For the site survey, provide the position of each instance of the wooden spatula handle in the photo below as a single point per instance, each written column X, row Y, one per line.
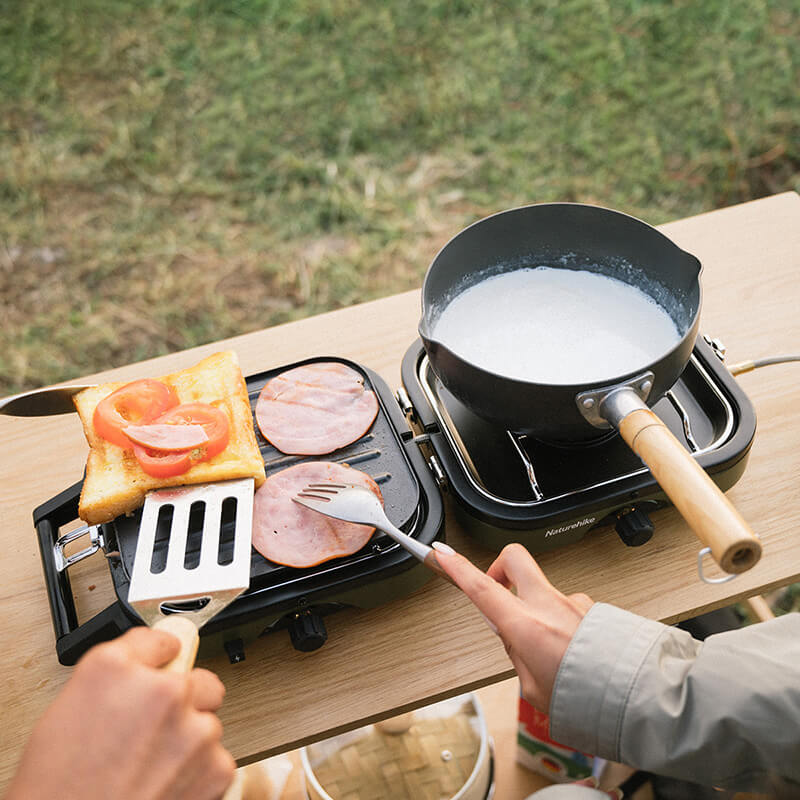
column 186, row 631
column 703, row 505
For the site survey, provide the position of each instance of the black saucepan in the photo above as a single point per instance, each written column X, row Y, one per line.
column 576, row 236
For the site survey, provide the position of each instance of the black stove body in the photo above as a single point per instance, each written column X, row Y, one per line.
column 514, row 488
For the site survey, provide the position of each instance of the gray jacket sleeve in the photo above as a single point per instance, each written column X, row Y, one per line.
column 723, row 712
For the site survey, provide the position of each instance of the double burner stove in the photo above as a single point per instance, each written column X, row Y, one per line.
column 512, row 487
column 507, row 488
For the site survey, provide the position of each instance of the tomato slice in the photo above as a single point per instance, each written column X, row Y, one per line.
column 167, row 438
column 213, row 420
column 160, row 464
column 135, row 403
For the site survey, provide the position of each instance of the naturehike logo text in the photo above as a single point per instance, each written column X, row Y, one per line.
column 570, row 527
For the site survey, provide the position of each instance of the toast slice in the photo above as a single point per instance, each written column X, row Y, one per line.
column 115, row 483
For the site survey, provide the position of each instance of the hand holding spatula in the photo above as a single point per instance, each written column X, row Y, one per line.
column 122, row 728
column 193, row 595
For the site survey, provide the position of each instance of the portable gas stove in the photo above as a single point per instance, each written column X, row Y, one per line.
column 507, row 488
column 514, row 488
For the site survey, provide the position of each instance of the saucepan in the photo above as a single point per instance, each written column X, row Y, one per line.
column 599, row 240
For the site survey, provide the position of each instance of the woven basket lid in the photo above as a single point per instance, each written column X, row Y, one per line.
column 431, row 757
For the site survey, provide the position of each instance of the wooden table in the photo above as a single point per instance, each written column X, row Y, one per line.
column 432, row 644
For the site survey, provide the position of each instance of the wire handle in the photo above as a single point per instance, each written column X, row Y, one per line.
column 700, row 555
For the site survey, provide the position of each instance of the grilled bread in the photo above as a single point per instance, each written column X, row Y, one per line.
column 115, row 483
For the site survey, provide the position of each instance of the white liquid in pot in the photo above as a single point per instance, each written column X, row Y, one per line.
column 556, row 326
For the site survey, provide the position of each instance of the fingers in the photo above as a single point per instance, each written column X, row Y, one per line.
column 147, row 646
column 495, row 602
column 155, row 648
column 210, row 761
column 223, row 776
column 206, row 690
column 515, row 566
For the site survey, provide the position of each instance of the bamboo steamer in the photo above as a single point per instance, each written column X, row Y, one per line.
column 440, row 752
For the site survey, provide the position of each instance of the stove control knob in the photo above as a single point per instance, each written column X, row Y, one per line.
column 307, row 630
column 634, row 527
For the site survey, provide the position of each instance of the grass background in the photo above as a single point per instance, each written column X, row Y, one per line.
column 173, row 172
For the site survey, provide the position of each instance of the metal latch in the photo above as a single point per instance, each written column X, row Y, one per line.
column 717, row 346
column 406, row 406
column 96, row 542
column 438, row 472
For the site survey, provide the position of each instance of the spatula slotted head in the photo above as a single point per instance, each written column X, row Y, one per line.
column 207, row 584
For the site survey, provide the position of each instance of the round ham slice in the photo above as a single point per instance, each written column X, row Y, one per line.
column 288, row 533
column 169, row 438
column 315, row 409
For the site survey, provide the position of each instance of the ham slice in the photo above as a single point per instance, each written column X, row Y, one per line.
column 287, row 533
column 315, row 409
column 168, row 438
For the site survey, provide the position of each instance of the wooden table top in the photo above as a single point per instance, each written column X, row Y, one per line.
column 433, row 643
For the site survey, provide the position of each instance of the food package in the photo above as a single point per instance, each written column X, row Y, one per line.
column 539, row 753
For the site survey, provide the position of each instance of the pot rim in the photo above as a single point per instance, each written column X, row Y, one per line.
column 556, row 204
column 430, row 342
column 484, row 751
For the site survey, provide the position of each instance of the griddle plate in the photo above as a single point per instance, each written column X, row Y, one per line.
column 378, row 453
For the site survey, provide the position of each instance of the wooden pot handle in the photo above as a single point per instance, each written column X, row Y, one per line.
column 700, row 501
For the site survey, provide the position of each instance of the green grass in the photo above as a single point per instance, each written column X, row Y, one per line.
column 175, row 172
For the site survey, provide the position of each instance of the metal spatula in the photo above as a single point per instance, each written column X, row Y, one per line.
column 209, row 586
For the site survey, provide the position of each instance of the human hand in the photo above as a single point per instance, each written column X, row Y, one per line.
column 122, row 728
column 535, row 624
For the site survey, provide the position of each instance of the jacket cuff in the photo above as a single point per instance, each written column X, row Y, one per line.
column 595, row 678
